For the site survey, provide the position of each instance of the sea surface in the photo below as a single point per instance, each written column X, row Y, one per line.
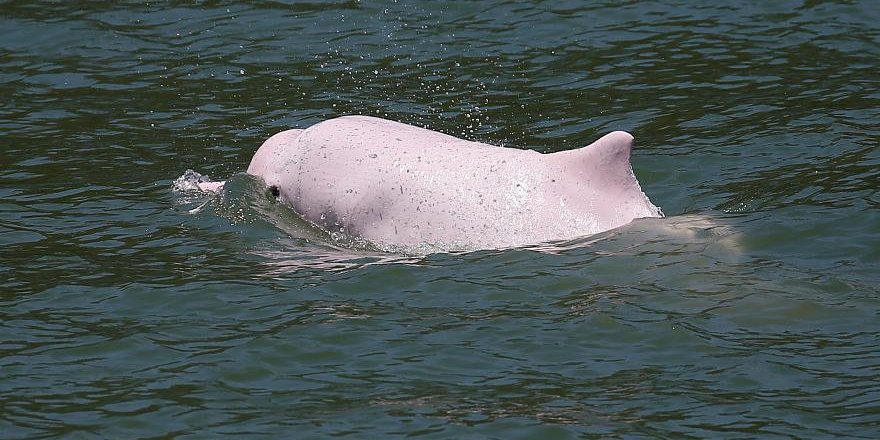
column 131, row 307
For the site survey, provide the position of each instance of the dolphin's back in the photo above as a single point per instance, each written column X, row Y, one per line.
column 407, row 187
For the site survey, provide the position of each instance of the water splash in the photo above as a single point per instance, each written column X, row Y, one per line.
column 189, row 181
column 188, row 195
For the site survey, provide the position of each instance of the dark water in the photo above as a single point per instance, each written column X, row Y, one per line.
column 751, row 312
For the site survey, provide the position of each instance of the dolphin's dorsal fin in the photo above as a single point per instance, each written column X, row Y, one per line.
column 607, row 158
column 601, row 174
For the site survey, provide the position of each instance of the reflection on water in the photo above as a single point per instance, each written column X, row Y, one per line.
column 130, row 309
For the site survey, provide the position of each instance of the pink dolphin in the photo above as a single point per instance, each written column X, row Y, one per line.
column 404, row 187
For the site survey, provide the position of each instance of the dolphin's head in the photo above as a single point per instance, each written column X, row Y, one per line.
column 271, row 156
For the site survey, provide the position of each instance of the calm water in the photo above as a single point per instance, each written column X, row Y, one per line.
column 752, row 311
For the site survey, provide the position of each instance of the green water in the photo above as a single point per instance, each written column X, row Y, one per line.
column 750, row 312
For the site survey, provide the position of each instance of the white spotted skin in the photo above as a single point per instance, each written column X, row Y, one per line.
column 405, row 187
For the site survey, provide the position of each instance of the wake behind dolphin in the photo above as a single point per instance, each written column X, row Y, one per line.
column 407, row 188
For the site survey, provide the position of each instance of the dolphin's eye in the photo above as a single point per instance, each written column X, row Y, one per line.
column 274, row 191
